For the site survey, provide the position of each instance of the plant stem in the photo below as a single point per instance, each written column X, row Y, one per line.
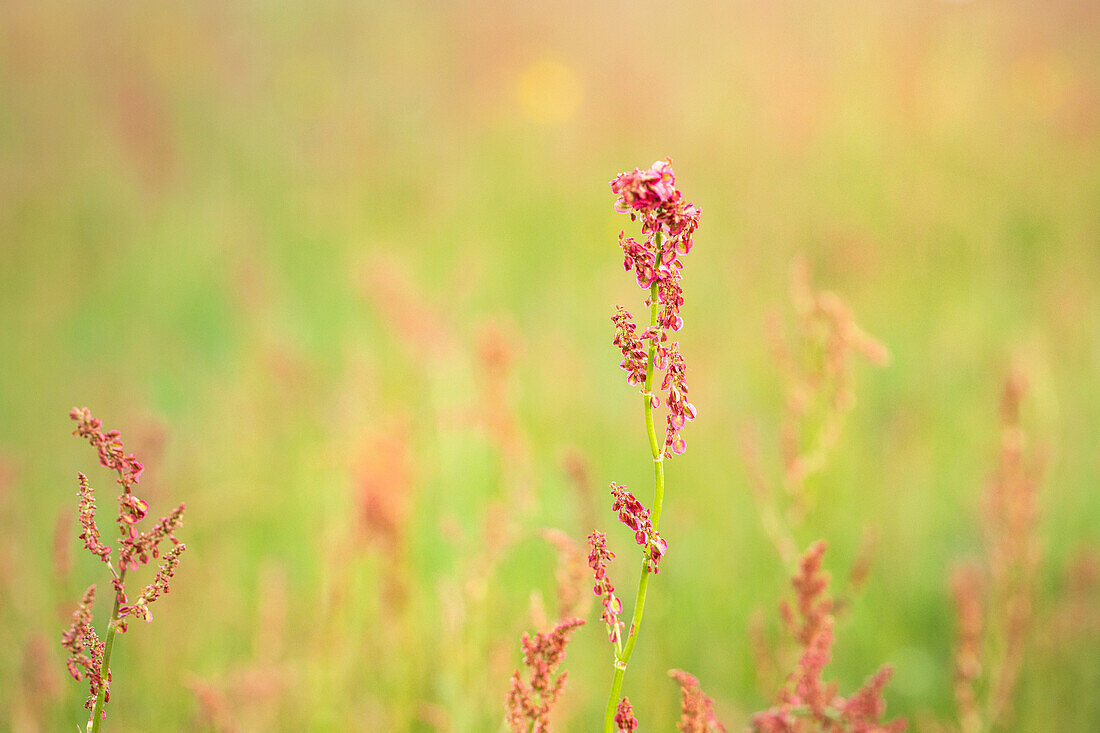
column 105, row 669
column 621, row 660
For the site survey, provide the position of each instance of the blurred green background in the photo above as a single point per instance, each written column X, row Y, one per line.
column 342, row 274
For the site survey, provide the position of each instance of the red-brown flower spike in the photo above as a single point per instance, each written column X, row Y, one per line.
column 634, row 515
column 90, row 533
column 668, row 223
column 159, row 585
column 634, row 354
column 109, row 447
column 813, row 605
column 88, row 656
column 84, row 647
column 529, row 702
column 807, row 702
column 696, row 709
column 624, row 717
column 598, row 559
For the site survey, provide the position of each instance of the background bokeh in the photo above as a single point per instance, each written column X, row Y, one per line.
column 342, row 274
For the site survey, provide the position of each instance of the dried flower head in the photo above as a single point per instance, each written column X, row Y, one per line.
column 529, row 702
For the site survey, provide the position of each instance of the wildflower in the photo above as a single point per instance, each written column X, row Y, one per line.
column 624, row 717
column 159, row 585
column 696, row 709
column 529, row 702
column 634, row 356
column 668, row 223
column 90, row 657
column 90, row 533
column 598, row 559
column 680, row 411
column 645, row 190
column 571, row 573
column 84, row 647
column 634, row 515
column 109, row 447
column 807, row 699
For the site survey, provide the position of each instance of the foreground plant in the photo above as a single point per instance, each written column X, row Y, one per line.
column 667, row 225
column 89, row 657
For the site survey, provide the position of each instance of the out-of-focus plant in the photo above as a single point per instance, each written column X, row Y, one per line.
column 815, row 360
column 806, row 703
column 995, row 600
column 89, row 657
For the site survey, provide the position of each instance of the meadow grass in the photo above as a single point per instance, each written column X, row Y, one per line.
column 266, row 242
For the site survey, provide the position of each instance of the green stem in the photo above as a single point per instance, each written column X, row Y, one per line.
column 105, row 668
column 656, row 448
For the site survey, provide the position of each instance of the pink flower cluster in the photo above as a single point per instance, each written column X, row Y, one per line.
column 668, row 223
column 634, row 515
column 652, row 196
column 109, row 447
column 680, row 411
column 696, row 709
column 807, row 703
column 635, row 358
column 135, row 546
column 86, row 511
column 529, row 702
column 152, row 591
column 599, row 558
column 85, row 649
column 625, row 721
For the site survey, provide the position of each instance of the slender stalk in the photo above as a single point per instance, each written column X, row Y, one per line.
column 108, row 645
column 656, row 448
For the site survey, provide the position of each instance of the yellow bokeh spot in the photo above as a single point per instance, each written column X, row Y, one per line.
column 548, row 92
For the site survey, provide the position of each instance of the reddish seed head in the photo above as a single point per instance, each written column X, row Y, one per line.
column 652, row 195
column 624, row 717
column 636, row 516
column 529, row 702
column 696, row 709
column 85, row 649
column 599, row 558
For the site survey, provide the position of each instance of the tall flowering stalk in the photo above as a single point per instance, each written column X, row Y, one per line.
column 667, row 225
column 88, row 656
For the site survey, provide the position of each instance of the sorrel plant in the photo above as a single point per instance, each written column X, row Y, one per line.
column 805, row 703
column 668, row 223
column 88, row 656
